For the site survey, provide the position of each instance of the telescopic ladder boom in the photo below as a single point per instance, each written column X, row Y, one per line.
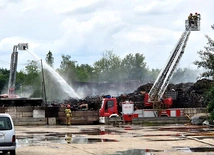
column 162, row 81
column 13, row 68
column 165, row 75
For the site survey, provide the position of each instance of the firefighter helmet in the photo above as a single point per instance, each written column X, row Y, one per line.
column 68, row 106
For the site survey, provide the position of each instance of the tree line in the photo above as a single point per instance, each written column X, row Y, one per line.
column 110, row 68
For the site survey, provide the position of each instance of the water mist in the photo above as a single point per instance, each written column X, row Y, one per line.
column 63, row 84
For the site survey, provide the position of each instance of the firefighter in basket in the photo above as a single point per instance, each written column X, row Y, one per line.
column 68, row 114
column 190, row 19
column 196, row 17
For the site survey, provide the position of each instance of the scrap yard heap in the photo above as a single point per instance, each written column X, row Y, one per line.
column 185, row 95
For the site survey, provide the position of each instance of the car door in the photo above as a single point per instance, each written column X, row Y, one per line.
column 6, row 130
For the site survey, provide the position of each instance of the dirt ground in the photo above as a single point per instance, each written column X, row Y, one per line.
column 109, row 140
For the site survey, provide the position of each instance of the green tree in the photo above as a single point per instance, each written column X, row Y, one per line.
column 134, row 67
column 84, row 73
column 49, row 80
column 4, row 77
column 33, row 79
column 207, row 58
column 108, row 68
column 67, row 68
column 21, row 78
column 209, row 100
column 207, row 62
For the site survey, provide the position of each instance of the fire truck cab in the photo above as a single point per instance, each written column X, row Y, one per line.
column 112, row 110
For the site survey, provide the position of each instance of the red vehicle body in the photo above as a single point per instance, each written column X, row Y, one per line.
column 167, row 102
column 113, row 110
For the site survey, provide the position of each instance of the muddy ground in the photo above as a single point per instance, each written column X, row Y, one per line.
column 109, row 140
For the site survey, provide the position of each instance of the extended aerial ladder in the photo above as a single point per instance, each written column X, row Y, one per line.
column 155, row 97
column 13, row 68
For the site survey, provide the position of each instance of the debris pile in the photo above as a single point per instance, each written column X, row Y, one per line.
column 187, row 95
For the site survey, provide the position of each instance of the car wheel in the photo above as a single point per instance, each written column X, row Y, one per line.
column 13, row 152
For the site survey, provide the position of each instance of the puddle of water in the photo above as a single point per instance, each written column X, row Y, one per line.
column 129, row 127
column 68, row 138
column 202, row 149
column 88, row 131
column 75, row 139
column 171, row 139
column 192, row 129
column 38, row 141
column 205, row 137
column 136, row 152
column 41, row 133
column 99, row 131
column 82, row 140
column 152, row 152
column 196, row 149
column 132, row 135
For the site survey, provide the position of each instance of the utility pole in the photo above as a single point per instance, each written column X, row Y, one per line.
column 44, row 92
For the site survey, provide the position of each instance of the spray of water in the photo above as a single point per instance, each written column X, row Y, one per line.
column 64, row 86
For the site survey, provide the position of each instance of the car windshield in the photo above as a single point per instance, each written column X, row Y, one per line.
column 5, row 123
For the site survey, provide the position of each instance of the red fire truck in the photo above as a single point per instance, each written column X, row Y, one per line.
column 112, row 110
column 155, row 100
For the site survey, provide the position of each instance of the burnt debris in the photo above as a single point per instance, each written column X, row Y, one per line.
column 185, row 95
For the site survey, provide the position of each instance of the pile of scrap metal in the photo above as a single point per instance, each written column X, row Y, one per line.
column 187, row 95
column 200, row 119
column 88, row 103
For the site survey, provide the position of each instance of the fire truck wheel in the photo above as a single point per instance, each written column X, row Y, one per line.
column 114, row 120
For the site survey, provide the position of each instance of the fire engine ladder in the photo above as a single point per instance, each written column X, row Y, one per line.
column 13, row 67
column 161, row 83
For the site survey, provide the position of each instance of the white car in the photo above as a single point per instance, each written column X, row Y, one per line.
column 7, row 134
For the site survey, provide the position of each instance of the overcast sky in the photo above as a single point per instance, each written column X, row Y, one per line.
column 84, row 29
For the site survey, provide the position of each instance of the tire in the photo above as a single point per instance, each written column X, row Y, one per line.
column 13, row 152
column 114, row 120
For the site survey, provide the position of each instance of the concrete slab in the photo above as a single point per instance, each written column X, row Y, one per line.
column 173, row 139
